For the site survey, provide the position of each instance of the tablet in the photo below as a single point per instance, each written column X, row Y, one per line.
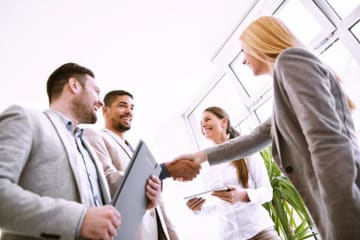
column 223, row 188
column 130, row 197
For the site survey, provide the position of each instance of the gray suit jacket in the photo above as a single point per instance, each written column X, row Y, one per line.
column 39, row 183
column 313, row 142
column 115, row 156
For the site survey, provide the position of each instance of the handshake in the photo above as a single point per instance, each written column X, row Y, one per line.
column 186, row 167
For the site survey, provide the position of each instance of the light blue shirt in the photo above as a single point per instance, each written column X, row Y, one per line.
column 89, row 177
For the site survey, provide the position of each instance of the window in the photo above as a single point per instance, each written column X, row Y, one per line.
column 246, row 125
column 264, row 111
column 303, row 24
column 355, row 30
column 225, row 94
column 253, row 86
column 348, row 69
column 343, row 8
column 330, row 28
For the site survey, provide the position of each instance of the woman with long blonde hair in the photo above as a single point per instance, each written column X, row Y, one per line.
column 311, row 128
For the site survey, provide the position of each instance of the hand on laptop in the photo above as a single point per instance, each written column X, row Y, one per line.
column 153, row 190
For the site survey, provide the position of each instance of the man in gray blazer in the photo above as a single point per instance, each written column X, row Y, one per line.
column 115, row 153
column 51, row 184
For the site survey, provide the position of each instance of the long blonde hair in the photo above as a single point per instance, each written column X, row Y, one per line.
column 266, row 37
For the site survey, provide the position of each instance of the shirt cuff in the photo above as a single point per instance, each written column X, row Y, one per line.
column 77, row 234
column 164, row 172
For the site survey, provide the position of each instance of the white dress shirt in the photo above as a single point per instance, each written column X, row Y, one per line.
column 241, row 220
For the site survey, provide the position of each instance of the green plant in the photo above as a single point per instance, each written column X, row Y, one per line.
column 287, row 209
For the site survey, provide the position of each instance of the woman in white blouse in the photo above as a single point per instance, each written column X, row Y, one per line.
column 239, row 209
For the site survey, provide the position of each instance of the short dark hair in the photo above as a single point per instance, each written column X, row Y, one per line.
column 60, row 76
column 112, row 95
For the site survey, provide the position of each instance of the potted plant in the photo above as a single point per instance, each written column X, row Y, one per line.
column 287, row 209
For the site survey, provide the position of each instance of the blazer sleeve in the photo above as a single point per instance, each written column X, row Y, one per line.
column 241, row 146
column 23, row 211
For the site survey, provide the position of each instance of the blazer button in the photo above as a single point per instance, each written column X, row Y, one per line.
column 289, row 169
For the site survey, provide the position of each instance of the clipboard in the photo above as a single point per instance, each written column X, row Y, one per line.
column 130, row 197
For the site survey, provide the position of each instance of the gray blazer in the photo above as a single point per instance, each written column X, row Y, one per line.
column 115, row 157
column 39, row 183
column 313, row 142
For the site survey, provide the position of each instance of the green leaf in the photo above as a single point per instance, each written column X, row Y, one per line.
column 287, row 209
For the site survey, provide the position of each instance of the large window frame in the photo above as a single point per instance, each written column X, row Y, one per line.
column 335, row 27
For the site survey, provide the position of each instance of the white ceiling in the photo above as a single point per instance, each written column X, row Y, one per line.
column 160, row 50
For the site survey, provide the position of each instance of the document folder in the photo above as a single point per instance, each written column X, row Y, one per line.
column 130, row 198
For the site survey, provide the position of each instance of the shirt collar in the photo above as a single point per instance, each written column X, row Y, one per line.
column 67, row 122
column 78, row 132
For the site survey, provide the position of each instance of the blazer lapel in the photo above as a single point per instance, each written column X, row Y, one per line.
column 69, row 145
column 121, row 143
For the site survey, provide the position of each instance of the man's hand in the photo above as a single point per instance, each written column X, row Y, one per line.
column 153, row 190
column 197, row 157
column 184, row 170
column 185, row 167
column 100, row 223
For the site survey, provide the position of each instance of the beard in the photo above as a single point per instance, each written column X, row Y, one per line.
column 122, row 128
column 119, row 126
column 83, row 110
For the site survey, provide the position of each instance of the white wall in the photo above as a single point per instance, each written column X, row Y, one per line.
column 172, row 140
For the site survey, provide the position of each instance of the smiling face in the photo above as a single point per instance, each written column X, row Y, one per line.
column 85, row 105
column 213, row 128
column 119, row 114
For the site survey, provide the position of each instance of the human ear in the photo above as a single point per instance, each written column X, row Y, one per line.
column 74, row 85
column 224, row 122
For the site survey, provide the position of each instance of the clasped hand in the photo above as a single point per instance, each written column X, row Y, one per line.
column 185, row 167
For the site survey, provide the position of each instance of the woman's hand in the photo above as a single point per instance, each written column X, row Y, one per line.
column 195, row 204
column 232, row 195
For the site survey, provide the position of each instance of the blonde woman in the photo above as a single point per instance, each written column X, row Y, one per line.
column 239, row 211
column 311, row 129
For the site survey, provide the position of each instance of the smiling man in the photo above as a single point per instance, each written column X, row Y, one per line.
column 51, row 185
column 115, row 153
